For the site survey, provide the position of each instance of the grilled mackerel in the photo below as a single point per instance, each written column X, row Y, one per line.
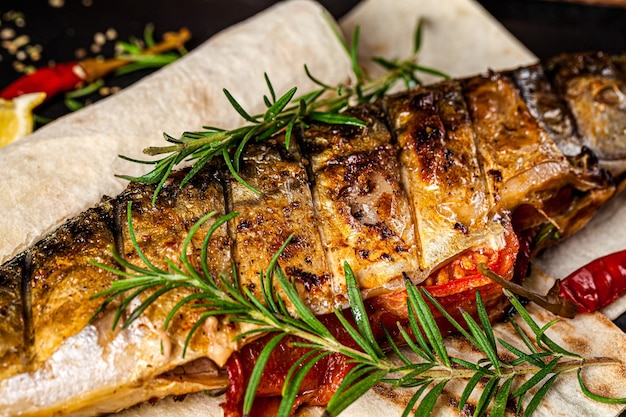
column 442, row 177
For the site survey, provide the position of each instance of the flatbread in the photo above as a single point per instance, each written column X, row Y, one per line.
column 458, row 36
column 67, row 166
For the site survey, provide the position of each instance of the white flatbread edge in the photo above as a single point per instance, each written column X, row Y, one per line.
column 459, row 37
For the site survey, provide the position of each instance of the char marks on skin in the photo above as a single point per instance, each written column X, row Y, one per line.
column 362, row 211
column 267, row 220
column 13, row 335
column 594, row 88
column 161, row 230
column 511, row 141
column 550, row 98
column 62, row 279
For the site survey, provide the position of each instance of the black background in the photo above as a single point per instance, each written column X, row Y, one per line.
column 545, row 27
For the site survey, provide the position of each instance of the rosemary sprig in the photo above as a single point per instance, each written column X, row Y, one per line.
column 284, row 114
column 543, row 360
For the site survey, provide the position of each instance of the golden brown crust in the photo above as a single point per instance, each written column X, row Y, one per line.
column 12, row 329
column 62, row 279
column 447, row 188
column 161, row 230
column 522, row 163
column 596, row 95
column 266, row 221
column 362, row 210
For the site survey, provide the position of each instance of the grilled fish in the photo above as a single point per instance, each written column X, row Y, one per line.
column 443, row 177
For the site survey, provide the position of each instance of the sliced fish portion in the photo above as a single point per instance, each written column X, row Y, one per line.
column 362, row 211
column 265, row 221
column 595, row 91
column 13, row 345
column 573, row 206
column 447, row 188
column 521, row 161
column 62, row 279
column 112, row 369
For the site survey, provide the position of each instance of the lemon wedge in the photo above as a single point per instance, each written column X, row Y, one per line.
column 16, row 117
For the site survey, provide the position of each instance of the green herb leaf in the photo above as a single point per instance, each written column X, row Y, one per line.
column 430, row 399
column 257, row 372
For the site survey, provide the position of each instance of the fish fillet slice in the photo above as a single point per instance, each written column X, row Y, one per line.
column 522, row 163
column 362, row 211
column 595, row 91
column 447, row 190
column 62, row 279
column 160, row 231
column 139, row 362
column 590, row 187
column 266, row 221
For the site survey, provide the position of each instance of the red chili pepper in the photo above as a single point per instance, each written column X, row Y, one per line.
column 596, row 284
column 49, row 80
column 587, row 289
column 68, row 76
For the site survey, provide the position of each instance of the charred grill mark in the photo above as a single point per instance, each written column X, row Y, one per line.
column 243, row 225
column 310, row 281
column 359, row 199
column 27, row 310
column 496, row 174
column 425, row 136
column 266, row 221
column 460, row 227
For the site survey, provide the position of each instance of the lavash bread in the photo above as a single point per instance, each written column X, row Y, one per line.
column 67, row 166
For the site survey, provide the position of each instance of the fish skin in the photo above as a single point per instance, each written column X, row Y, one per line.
column 363, row 212
column 62, row 280
column 112, row 369
column 266, row 221
column 595, row 92
column 441, row 173
column 40, row 345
